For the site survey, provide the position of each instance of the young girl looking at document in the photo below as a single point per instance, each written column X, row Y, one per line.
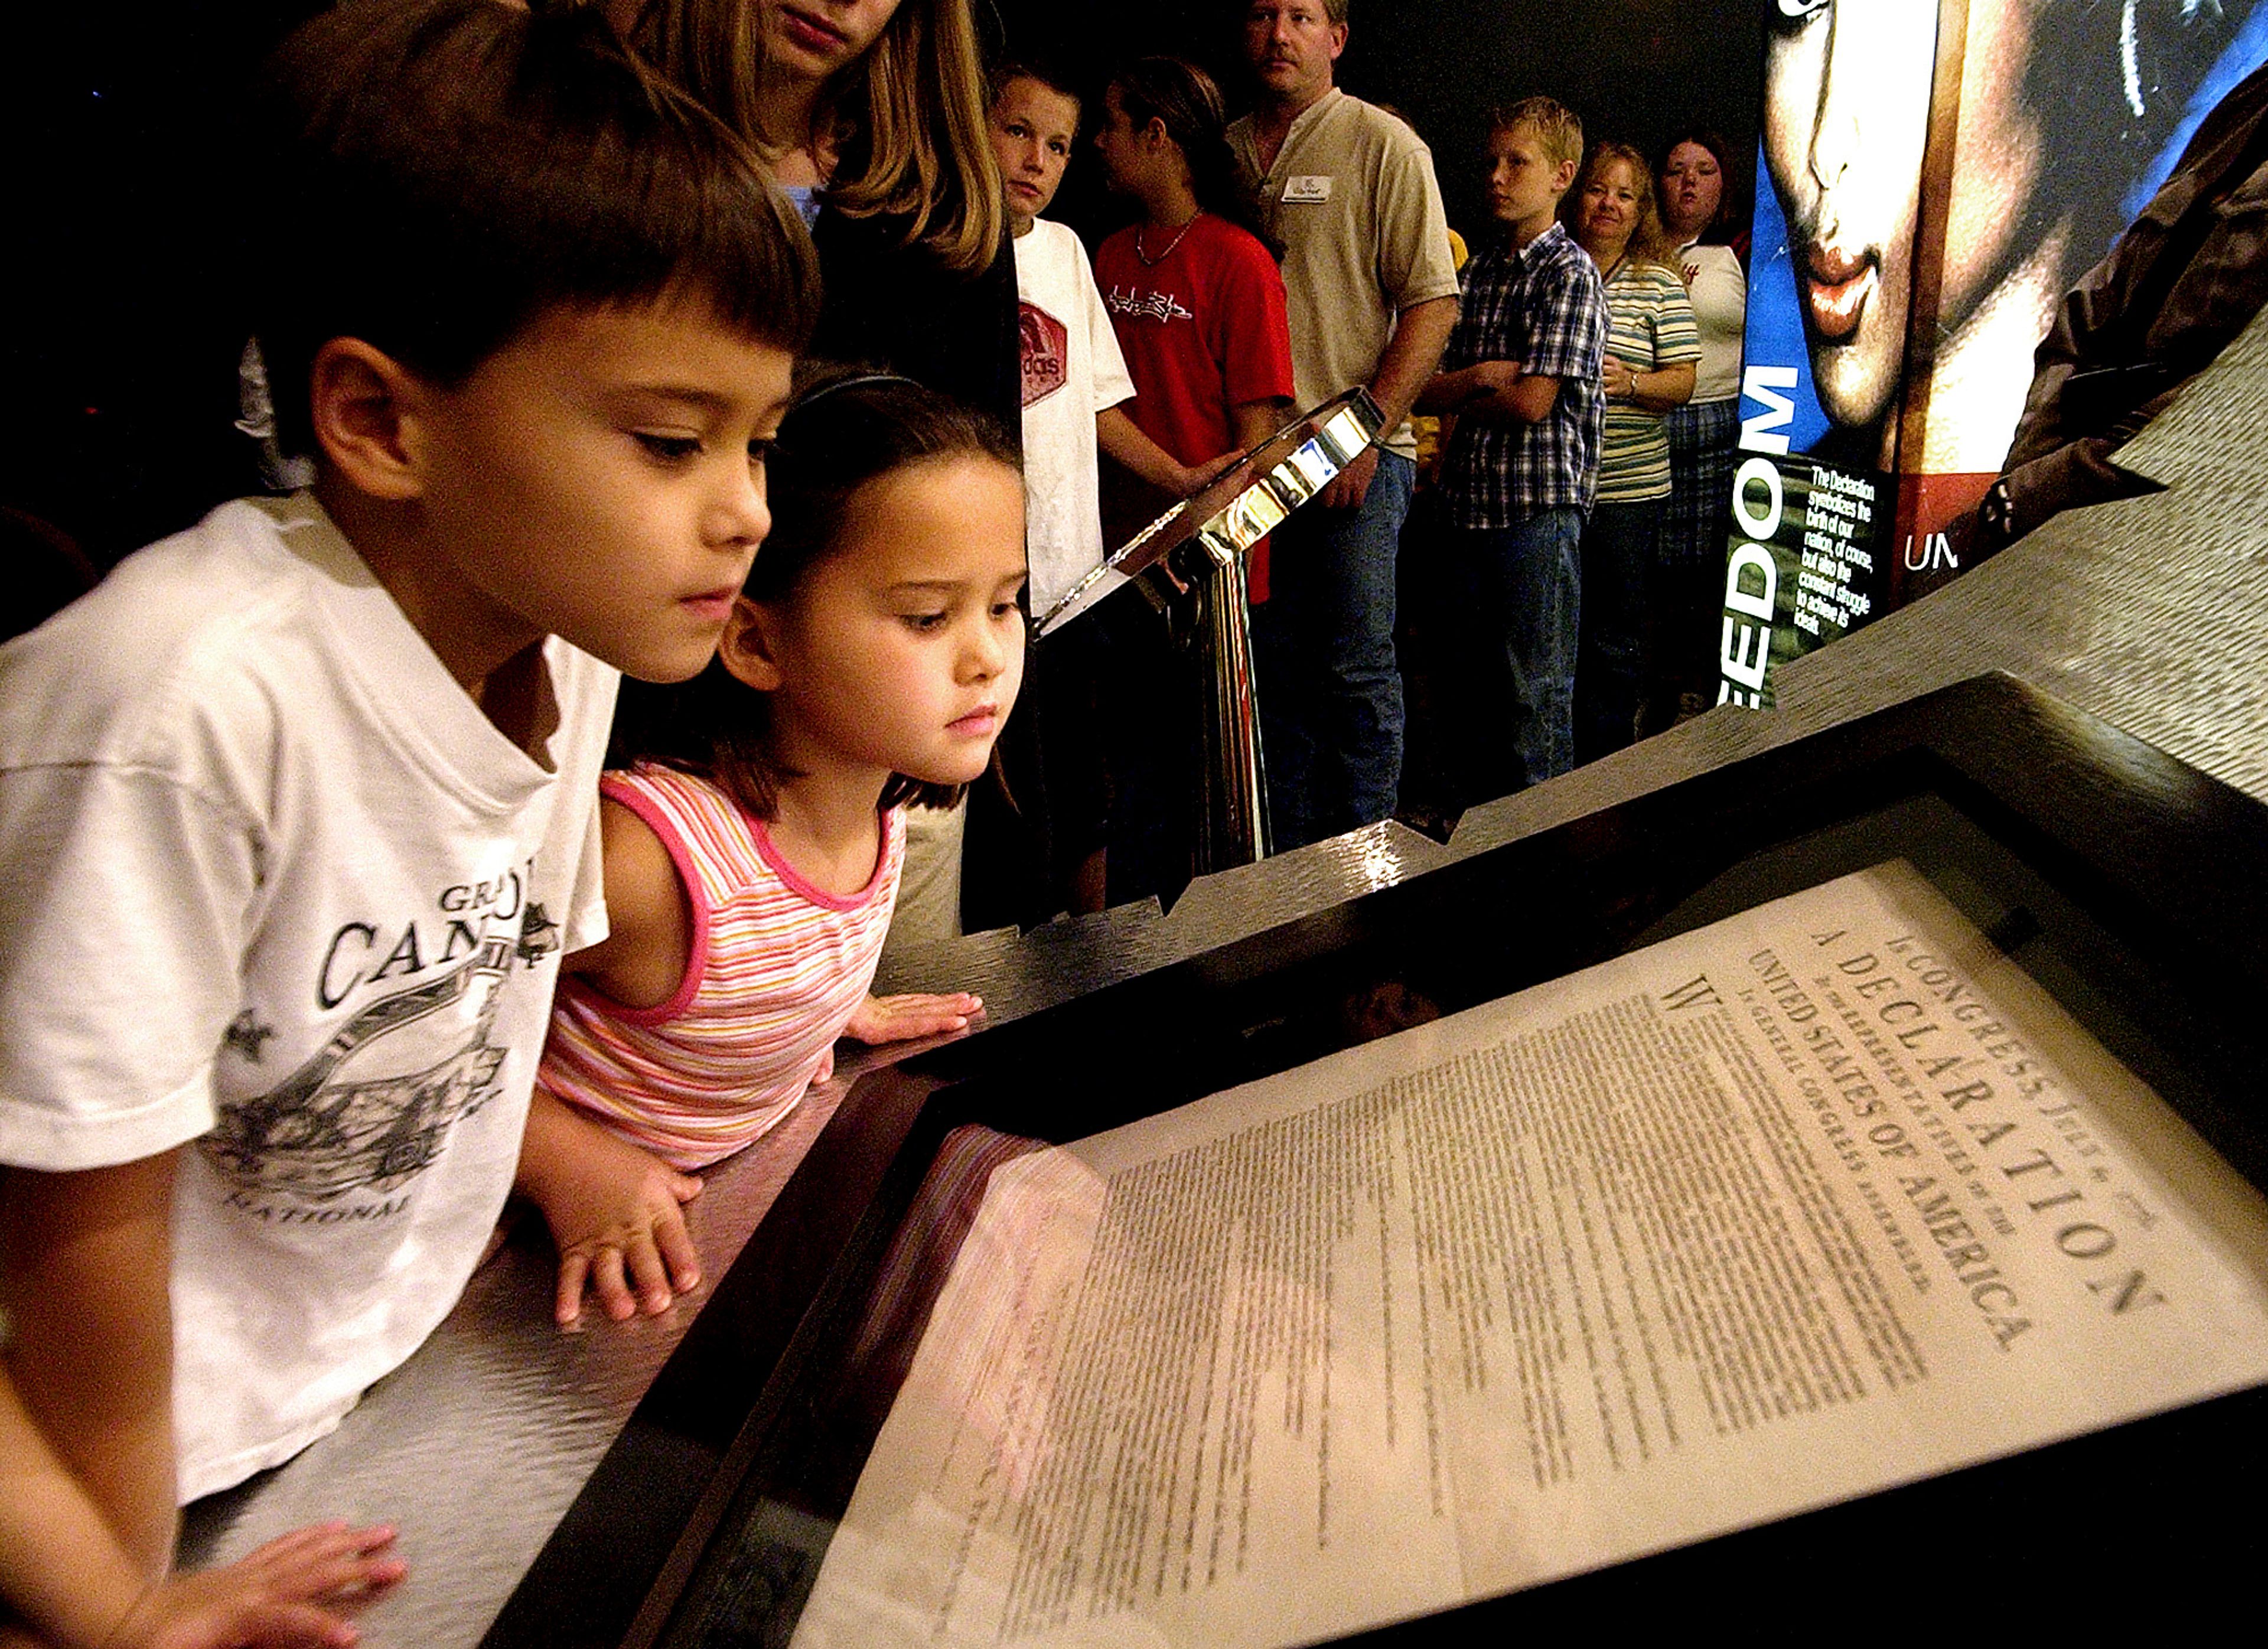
column 754, row 844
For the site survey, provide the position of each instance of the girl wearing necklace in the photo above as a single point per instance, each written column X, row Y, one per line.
column 1652, row 347
column 1197, row 306
column 1194, row 293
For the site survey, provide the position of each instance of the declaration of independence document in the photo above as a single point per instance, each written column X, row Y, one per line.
column 1823, row 1198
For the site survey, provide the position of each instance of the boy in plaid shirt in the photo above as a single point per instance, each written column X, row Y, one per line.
column 1522, row 377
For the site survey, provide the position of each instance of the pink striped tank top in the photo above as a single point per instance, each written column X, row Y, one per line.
column 777, row 968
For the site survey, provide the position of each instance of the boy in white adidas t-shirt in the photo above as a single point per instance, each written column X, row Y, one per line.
column 297, row 809
column 1074, row 380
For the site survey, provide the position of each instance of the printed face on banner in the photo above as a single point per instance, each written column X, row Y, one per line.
column 1846, row 118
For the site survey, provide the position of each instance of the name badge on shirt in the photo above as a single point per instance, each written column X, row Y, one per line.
column 1307, row 191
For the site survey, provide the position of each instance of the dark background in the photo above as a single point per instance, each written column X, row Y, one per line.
column 121, row 219
column 1633, row 70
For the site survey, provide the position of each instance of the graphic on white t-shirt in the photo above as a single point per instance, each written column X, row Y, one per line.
column 374, row 1105
column 1046, row 348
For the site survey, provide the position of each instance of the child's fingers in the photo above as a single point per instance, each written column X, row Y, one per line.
column 607, row 1280
column 344, row 1579
column 567, row 1302
column 648, row 1280
column 678, row 1255
column 290, row 1593
column 909, row 1016
column 328, row 1561
column 685, row 1187
column 287, row 1626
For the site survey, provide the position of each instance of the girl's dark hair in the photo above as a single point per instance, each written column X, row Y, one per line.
column 1184, row 97
column 445, row 171
column 1732, row 219
column 849, row 426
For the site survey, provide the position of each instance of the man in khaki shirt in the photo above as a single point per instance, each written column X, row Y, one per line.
column 1349, row 191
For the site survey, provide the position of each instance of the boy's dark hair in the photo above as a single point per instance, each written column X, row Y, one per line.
column 1558, row 130
column 849, row 426
column 1185, row 99
column 446, row 170
column 1053, row 76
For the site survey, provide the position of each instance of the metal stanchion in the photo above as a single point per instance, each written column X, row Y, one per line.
column 1190, row 562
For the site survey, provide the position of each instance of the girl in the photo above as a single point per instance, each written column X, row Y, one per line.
column 753, row 847
column 874, row 115
column 1194, row 294
column 1197, row 305
column 1652, row 347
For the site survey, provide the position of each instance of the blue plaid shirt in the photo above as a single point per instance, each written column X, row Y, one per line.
column 1545, row 308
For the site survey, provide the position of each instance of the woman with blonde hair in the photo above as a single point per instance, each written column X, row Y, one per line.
column 1652, row 348
column 808, row 81
column 873, row 115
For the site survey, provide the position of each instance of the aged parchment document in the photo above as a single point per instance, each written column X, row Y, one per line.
column 1823, row 1198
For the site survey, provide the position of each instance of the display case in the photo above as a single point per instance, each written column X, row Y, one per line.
column 2129, row 891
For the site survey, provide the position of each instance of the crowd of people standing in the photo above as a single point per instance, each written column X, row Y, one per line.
column 690, row 342
column 1583, row 373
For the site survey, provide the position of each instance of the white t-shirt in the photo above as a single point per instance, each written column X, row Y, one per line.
column 1719, row 288
column 1072, row 370
column 270, row 881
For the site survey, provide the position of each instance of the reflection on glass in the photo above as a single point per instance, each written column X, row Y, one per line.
column 1312, row 465
column 1245, row 503
column 1251, row 517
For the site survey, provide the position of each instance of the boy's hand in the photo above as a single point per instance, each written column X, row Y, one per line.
column 292, row 1594
column 1350, row 486
column 1199, row 476
column 902, row 1019
column 614, row 1212
column 1492, row 380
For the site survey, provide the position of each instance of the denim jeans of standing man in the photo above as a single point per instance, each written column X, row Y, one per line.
column 1330, row 690
column 1516, row 666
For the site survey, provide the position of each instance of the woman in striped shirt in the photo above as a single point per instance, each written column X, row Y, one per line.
column 1652, row 347
column 753, row 844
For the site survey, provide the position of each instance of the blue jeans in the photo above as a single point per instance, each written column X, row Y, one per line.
column 1330, row 693
column 1620, row 543
column 1523, row 589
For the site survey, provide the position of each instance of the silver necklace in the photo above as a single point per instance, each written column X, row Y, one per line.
column 1149, row 262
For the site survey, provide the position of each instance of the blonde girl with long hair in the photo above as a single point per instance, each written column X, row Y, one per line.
column 874, row 115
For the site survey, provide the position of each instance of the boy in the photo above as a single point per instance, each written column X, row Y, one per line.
column 1521, row 374
column 1068, row 343
column 1074, row 380
column 297, row 810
